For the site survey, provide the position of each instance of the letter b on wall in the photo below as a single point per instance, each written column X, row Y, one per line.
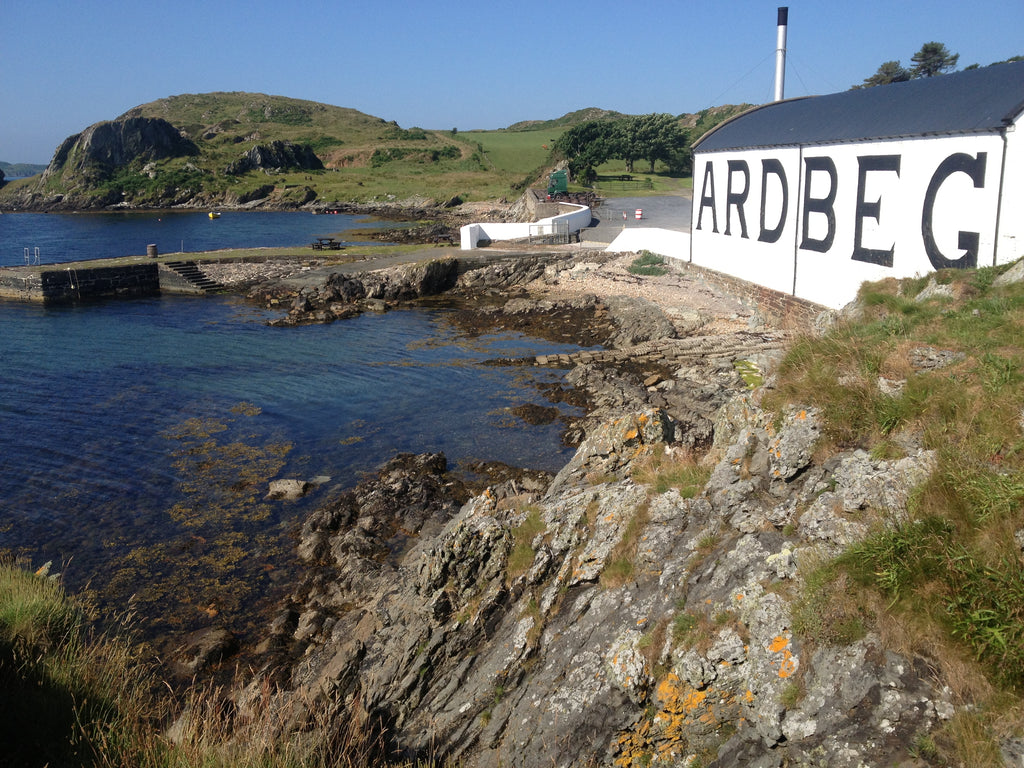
column 820, row 205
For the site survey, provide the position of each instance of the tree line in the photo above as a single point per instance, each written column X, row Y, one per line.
column 933, row 59
column 652, row 138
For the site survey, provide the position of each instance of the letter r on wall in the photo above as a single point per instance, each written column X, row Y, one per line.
column 737, row 199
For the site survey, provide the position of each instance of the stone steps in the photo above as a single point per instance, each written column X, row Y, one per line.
column 190, row 272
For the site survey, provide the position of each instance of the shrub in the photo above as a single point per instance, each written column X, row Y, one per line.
column 647, row 263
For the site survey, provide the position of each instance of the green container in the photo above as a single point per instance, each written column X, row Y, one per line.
column 558, row 182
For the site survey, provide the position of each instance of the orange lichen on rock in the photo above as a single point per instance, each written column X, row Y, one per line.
column 686, row 720
column 788, row 663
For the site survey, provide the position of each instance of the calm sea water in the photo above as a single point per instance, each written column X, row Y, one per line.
column 137, row 437
column 80, row 236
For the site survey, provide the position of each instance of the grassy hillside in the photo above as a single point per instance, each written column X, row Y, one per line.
column 367, row 159
column 932, row 363
column 566, row 120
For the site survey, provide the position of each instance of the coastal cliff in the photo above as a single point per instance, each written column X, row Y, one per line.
column 670, row 597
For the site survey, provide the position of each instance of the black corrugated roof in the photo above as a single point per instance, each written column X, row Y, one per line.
column 978, row 100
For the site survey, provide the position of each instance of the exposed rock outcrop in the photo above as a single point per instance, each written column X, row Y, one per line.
column 598, row 619
column 99, row 150
column 340, row 295
column 642, row 627
column 84, row 165
column 276, row 156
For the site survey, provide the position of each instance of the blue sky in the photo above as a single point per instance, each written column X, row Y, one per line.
column 65, row 64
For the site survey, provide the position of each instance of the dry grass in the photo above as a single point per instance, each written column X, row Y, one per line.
column 522, row 554
column 621, row 565
column 665, row 469
column 84, row 700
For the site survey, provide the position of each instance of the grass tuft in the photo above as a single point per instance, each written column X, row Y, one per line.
column 522, row 554
column 664, row 470
column 648, row 264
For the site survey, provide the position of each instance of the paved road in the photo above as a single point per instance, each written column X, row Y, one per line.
column 665, row 212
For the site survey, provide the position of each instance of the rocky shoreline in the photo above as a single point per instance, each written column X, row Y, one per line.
column 636, row 609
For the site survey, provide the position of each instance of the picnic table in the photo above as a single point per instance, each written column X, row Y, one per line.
column 326, row 244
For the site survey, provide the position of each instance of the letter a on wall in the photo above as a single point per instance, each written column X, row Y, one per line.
column 707, row 198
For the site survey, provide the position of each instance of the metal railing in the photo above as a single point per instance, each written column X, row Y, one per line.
column 622, row 185
column 556, row 232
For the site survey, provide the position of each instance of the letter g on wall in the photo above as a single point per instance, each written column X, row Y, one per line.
column 974, row 167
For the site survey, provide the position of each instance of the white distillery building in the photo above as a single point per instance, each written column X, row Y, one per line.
column 813, row 196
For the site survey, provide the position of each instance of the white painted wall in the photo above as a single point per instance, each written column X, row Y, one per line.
column 1010, row 245
column 865, row 222
column 471, row 234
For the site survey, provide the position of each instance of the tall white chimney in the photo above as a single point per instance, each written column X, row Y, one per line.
column 780, row 54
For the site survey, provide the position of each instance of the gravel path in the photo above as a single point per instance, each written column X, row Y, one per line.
column 684, row 296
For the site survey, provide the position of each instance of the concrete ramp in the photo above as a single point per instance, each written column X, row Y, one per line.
column 664, row 242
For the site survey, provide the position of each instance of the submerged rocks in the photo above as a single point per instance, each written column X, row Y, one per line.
column 288, row 489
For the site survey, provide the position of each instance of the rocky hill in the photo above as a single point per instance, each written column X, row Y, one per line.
column 255, row 150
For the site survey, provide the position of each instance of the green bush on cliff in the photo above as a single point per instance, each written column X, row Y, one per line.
column 647, row 263
column 953, row 363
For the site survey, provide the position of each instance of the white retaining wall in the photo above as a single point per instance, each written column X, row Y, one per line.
column 471, row 234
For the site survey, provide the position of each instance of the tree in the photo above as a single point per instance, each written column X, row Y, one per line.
column 586, row 145
column 651, row 137
column 659, row 137
column 625, row 145
column 933, row 59
column 889, row 72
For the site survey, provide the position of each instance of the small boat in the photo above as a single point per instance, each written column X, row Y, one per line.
column 214, row 215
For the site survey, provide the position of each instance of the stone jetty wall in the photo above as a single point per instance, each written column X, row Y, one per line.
column 70, row 284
